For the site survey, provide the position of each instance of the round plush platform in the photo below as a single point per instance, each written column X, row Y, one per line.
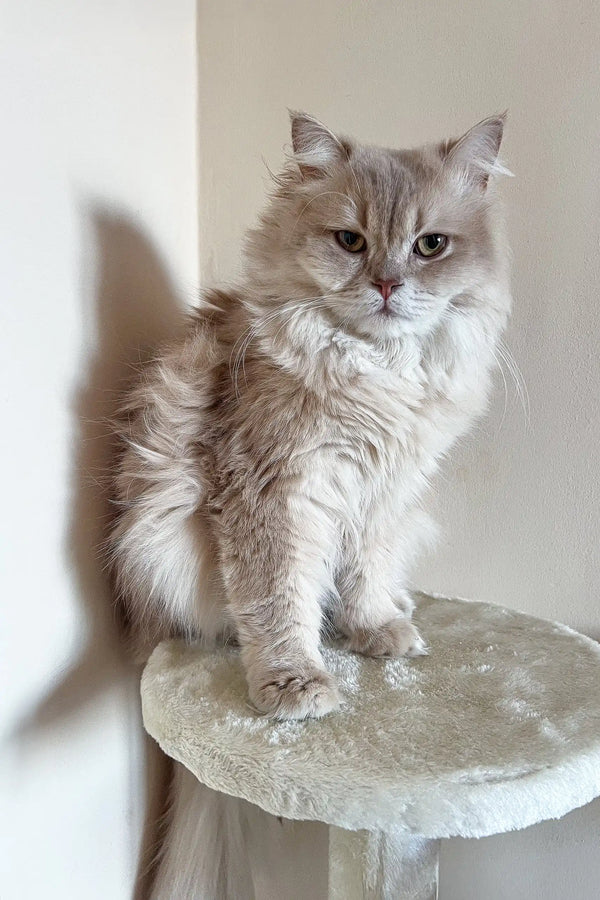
column 498, row 728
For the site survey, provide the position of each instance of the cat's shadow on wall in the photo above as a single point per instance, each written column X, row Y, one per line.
column 130, row 307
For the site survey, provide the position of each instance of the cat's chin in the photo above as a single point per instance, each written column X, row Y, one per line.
column 390, row 326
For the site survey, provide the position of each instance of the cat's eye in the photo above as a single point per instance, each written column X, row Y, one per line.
column 430, row 245
column 350, row 241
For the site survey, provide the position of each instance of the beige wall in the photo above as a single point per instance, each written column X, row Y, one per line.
column 519, row 501
column 98, row 227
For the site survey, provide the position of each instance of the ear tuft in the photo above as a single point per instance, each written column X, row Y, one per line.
column 476, row 152
column 316, row 148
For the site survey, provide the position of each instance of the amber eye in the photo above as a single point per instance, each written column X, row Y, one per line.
column 430, row 245
column 350, row 241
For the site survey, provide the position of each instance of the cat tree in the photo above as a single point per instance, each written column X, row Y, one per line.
column 498, row 728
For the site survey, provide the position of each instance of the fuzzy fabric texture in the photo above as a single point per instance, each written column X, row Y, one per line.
column 498, row 728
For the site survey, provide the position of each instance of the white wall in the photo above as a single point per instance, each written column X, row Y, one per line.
column 99, row 238
column 520, row 503
column 98, row 226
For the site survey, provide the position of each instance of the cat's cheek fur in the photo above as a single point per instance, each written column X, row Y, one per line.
column 316, row 260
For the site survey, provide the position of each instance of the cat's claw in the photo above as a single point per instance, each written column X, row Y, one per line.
column 302, row 694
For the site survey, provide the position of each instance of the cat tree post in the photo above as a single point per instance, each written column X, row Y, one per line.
column 498, row 728
column 381, row 864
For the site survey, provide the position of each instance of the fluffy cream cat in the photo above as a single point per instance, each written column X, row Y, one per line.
column 275, row 458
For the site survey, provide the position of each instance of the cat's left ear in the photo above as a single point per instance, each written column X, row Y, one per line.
column 475, row 154
column 316, row 149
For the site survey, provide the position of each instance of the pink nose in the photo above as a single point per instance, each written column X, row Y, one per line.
column 385, row 288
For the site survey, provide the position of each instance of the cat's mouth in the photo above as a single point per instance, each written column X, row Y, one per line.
column 387, row 311
column 396, row 306
column 404, row 308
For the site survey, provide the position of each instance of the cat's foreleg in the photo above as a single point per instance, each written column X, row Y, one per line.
column 374, row 609
column 277, row 564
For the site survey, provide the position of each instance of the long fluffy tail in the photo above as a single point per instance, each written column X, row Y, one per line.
column 223, row 848
column 205, row 852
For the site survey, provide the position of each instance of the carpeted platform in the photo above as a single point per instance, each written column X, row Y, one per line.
column 498, row 728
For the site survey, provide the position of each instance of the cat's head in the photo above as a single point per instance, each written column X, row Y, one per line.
column 385, row 241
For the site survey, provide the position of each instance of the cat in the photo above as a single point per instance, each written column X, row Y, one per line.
column 275, row 458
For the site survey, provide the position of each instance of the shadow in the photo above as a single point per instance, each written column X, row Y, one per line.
column 130, row 307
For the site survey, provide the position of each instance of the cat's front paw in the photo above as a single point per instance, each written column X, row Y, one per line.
column 398, row 637
column 295, row 694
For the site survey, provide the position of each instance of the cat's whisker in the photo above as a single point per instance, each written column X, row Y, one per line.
column 518, row 379
column 497, row 355
column 313, row 304
column 504, row 382
column 241, row 345
column 293, row 309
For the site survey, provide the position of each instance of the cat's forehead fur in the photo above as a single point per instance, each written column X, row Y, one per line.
column 393, row 194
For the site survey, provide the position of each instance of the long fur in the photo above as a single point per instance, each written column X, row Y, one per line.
column 205, row 855
column 274, row 460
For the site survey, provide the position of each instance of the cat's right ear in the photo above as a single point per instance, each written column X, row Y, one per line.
column 316, row 149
